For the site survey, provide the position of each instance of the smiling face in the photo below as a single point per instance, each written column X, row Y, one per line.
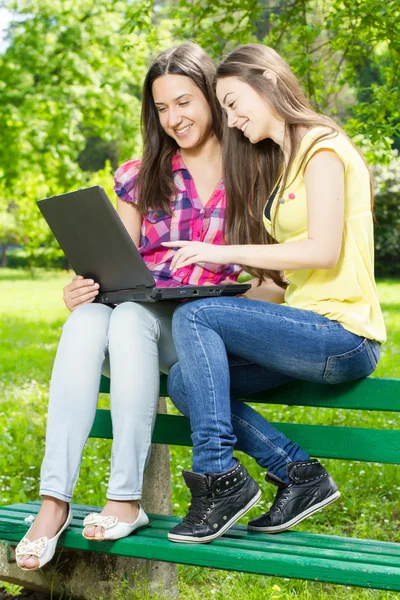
column 246, row 109
column 183, row 110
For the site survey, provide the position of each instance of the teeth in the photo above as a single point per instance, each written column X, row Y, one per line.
column 244, row 126
column 184, row 130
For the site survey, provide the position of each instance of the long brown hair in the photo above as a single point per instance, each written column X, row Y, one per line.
column 155, row 182
column 252, row 171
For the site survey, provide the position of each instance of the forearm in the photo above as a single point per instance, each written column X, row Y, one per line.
column 305, row 254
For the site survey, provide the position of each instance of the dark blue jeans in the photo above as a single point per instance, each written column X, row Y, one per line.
column 232, row 346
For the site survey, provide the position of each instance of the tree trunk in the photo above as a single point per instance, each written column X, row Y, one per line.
column 4, row 255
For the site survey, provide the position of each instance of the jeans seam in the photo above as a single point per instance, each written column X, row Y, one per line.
column 212, row 388
column 371, row 355
column 262, row 437
column 359, row 349
column 259, row 313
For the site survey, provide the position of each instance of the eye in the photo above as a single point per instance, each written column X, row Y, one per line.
column 185, row 103
column 161, row 110
column 231, row 105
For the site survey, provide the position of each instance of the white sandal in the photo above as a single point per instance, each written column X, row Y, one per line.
column 113, row 528
column 43, row 548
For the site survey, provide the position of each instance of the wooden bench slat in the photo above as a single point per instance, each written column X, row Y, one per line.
column 348, row 443
column 267, row 559
column 14, row 529
column 366, row 394
column 17, row 512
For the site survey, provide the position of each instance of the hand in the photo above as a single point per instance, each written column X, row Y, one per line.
column 190, row 253
column 80, row 291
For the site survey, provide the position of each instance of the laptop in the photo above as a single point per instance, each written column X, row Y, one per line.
column 97, row 245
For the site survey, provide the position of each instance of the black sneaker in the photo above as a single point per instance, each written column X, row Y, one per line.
column 218, row 501
column 310, row 489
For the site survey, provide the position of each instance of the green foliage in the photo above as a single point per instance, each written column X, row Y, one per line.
column 72, row 72
column 330, row 45
column 71, row 77
column 387, row 227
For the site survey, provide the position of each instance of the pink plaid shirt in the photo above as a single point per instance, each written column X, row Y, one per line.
column 190, row 220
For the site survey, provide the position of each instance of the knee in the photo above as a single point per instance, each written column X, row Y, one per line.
column 189, row 313
column 131, row 318
column 89, row 320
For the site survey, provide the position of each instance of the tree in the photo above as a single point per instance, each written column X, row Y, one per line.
column 329, row 44
column 72, row 72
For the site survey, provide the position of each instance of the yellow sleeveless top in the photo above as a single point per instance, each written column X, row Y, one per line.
column 347, row 293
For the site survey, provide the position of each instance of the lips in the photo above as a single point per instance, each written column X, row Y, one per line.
column 183, row 130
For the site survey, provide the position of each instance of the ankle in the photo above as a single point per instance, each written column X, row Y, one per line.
column 54, row 505
column 116, row 503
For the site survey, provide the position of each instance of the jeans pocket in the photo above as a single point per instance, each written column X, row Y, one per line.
column 354, row 364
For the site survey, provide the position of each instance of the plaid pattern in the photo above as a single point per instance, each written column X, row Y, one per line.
column 190, row 220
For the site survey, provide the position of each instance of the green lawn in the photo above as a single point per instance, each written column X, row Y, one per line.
column 31, row 316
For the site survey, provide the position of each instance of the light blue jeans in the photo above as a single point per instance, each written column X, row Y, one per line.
column 133, row 342
column 275, row 343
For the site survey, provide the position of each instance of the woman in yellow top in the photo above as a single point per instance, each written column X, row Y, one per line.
column 300, row 221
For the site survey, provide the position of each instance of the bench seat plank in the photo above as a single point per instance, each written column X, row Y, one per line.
column 365, row 394
column 237, row 550
column 19, row 511
column 348, row 443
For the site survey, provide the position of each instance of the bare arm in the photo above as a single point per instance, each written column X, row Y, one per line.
column 324, row 180
column 131, row 218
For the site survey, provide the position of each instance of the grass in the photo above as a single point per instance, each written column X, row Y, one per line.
column 31, row 316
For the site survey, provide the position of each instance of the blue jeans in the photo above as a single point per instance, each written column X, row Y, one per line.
column 231, row 346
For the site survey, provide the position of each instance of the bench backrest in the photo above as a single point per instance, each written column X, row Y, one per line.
column 322, row 441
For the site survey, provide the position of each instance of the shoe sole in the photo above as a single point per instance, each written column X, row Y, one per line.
column 204, row 540
column 310, row 511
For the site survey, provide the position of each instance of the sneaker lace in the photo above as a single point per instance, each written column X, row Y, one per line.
column 198, row 509
column 281, row 498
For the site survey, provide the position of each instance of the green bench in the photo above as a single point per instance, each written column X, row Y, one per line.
column 323, row 558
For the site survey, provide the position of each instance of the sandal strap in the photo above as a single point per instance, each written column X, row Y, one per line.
column 35, row 548
column 96, row 520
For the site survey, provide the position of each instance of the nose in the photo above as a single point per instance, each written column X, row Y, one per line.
column 232, row 119
column 174, row 118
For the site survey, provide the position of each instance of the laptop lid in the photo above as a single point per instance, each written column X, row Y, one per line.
column 94, row 239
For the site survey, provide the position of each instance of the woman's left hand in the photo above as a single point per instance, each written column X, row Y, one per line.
column 197, row 252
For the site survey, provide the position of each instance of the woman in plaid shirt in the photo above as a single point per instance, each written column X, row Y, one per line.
column 181, row 123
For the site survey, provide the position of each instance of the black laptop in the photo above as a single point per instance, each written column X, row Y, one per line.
column 97, row 245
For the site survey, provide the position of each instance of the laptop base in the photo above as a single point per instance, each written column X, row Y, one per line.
column 155, row 294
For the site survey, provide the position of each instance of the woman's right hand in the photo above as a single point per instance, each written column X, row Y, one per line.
column 80, row 291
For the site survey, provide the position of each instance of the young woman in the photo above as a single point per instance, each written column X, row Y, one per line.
column 291, row 177
column 174, row 193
